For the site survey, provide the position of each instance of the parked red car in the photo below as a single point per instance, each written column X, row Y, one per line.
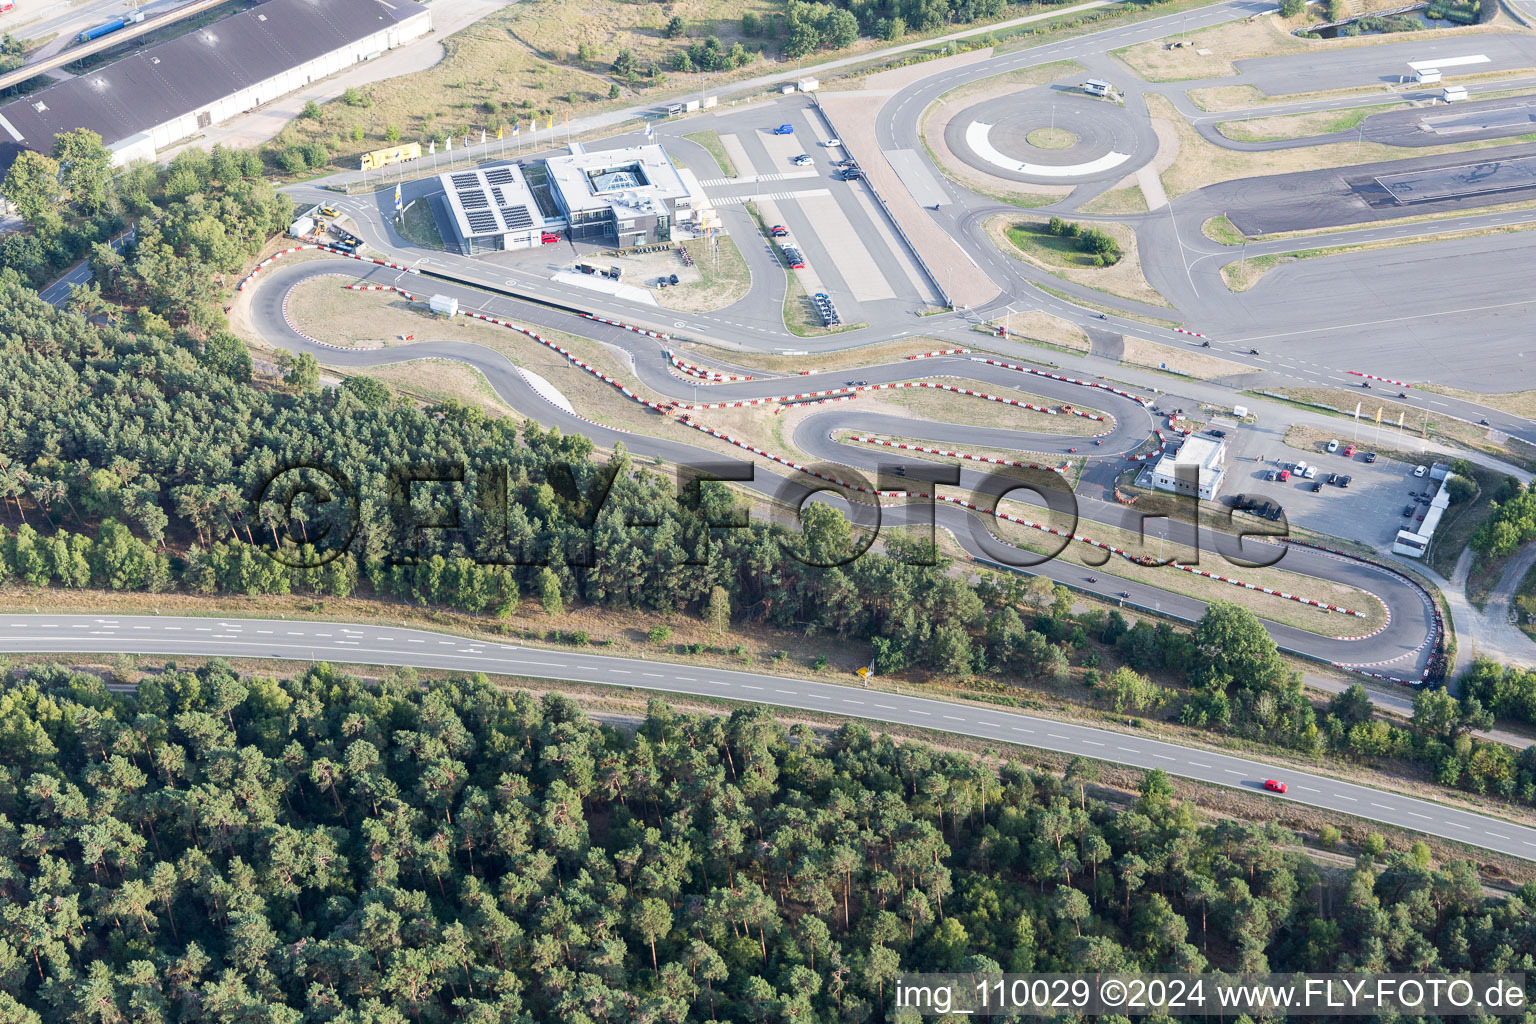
column 1273, row 786
column 778, row 231
column 548, row 237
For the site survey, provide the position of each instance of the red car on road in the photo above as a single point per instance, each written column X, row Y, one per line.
column 1273, row 786
column 778, row 231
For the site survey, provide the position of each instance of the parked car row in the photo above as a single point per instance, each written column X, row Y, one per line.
column 1261, row 507
column 828, row 311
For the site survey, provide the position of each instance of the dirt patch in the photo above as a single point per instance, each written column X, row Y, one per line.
column 1124, row 279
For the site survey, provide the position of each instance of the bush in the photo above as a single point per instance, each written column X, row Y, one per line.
column 1291, row 8
column 675, row 27
column 1328, row 837
column 311, row 111
column 659, row 635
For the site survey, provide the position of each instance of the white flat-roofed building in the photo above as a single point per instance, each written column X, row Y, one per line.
column 623, row 197
column 1195, row 469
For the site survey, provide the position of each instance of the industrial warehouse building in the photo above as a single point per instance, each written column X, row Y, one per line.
column 169, row 92
column 619, row 197
column 1195, row 469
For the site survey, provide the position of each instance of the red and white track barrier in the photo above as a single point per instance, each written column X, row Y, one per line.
column 1384, row 380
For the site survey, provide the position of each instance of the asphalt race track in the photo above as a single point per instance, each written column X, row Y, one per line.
column 1400, row 650
column 374, row 644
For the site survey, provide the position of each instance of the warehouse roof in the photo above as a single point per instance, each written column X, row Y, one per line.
column 192, row 71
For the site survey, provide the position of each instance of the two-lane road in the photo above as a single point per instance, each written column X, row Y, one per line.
column 377, row 644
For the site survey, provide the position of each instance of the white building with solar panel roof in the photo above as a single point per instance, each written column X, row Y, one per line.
column 618, row 197
column 494, row 208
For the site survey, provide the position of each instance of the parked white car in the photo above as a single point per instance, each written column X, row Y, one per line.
column 1310, row 473
column 1419, row 471
column 1333, row 446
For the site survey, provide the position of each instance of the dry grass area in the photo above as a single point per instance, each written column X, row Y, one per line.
column 1012, row 454
column 432, row 381
column 1443, row 429
column 1126, row 199
column 946, row 407
column 524, row 61
column 1264, row 36
column 1123, row 279
column 1258, row 37
column 720, row 278
column 1036, row 325
column 1276, row 609
column 1517, row 403
column 1194, row 361
column 323, row 308
column 1300, row 126
column 819, row 362
column 1051, row 138
column 1202, row 163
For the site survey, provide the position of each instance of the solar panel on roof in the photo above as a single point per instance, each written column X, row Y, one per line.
column 473, row 199
column 517, row 216
column 481, row 221
column 496, row 194
column 499, row 175
column 465, row 181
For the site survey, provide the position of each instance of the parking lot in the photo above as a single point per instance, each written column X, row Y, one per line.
column 1369, row 510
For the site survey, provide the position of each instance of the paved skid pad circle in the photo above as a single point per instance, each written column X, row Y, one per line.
column 993, row 136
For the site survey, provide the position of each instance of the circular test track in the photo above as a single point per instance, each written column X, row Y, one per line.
column 1400, row 650
column 994, row 136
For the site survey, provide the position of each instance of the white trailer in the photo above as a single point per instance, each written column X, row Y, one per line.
column 1453, row 93
column 443, row 305
column 1427, row 76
